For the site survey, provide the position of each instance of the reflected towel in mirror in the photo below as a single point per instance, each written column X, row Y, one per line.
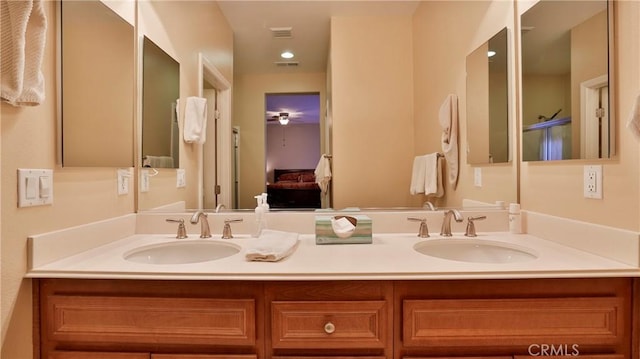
column 634, row 118
column 426, row 176
column 323, row 173
column 195, row 120
column 448, row 117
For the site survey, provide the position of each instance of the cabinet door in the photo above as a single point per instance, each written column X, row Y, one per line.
column 96, row 355
column 106, row 319
column 581, row 356
column 202, row 356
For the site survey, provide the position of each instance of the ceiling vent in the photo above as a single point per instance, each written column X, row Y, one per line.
column 281, row 32
column 287, row 63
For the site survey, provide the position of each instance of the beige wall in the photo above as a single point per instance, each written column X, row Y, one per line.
column 83, row 195
column 183, row 29
column 556, row 188
column 249, row 116
column 440, row 49
column 372, row 107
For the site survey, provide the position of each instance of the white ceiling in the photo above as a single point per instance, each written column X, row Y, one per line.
column 255, row 49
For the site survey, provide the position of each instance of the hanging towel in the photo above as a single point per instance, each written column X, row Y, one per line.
column 195, row 120
column 323, row 173
column 23, row 26
column 272, row 246
column 426, row 176
column 634, row 118
column 448, row 116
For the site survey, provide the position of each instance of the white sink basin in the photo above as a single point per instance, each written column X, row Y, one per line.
column 475, row 250
column 181, row 252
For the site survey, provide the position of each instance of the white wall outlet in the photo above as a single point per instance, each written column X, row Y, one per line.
column 181, row 180
column 593, row 181
column 123, row 181
column 477, row 176
column 35, row 187
column 144, row 181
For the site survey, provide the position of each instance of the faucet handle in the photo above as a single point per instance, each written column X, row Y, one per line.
column 226, row 230
column 423, row 232
column 471, row 226
column 182, row 231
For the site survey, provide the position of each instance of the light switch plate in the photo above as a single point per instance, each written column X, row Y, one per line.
column 123, row 181
column 35, row 187
column 477, row 176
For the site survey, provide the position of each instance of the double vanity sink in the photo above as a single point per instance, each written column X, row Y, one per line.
column 454, row 249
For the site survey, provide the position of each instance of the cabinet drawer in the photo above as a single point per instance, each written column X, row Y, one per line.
column 96, row 355
column 203, row 356
column 513, row 322
column 105, row 319
column 329, row 325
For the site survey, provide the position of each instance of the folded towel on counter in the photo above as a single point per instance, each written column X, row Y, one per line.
column 634, row 118
column 426, row 176
column 195, row 120
column 272, row 246
column 448, row 116
column 23, row 26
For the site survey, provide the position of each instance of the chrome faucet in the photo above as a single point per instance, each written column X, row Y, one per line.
column 446, row 222
column 205, row 232
column 219, row 207
column 429, row 205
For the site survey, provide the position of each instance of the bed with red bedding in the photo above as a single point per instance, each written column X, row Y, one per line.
column 293, row 188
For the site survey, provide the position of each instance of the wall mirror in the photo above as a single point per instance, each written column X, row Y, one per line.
column 487, row 102
column 160, row 93
column 566, row 67
column 96, row 94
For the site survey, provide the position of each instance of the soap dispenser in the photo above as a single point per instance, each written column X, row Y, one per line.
column 259, row 216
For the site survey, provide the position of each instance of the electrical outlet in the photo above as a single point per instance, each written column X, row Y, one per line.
column 593, row 181
column 181, row 180
column 123, row 181
column 144, row 181
column 477, row 176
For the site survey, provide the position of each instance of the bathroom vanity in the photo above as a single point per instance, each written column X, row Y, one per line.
column 389, row 299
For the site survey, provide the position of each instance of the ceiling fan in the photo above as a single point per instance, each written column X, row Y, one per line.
column 283, row 117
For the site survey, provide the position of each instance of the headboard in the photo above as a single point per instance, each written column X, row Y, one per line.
column 299, row 175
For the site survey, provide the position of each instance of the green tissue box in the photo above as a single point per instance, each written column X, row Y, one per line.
column 326, row 235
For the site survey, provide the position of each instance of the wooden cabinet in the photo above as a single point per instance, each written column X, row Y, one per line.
column 118, row 317
column 472, row 319
column 513, row 318
column 340, row 319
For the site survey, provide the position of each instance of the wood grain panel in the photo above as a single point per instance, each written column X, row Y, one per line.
column 96, row 355
column 358, row 324
column 495, row 322
column 100, row 319
column 202, row 356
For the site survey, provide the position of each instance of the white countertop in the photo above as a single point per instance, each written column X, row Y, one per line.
column 390, row 256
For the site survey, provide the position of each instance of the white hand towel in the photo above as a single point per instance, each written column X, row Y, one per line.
column 272, row 246
column 23, row 26
column 323, row 173
column 634, row 118
column 426, row 176
column 448, row 117
column 195, row 120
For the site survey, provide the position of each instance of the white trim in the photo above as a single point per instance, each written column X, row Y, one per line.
column 207, row 71
column 588, row 125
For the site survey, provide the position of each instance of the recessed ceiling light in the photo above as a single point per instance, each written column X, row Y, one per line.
column 287, row 55
column 491, row 53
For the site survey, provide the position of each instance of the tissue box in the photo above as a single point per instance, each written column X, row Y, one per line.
column 326, row 235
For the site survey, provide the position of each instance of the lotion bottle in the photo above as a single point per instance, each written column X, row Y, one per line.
column 515, row 220
column 259, row 216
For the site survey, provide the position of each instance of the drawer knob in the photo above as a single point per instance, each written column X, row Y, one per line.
column 329, row 328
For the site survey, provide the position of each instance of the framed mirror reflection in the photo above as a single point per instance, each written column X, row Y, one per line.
column 488, row 102
column 566, row 82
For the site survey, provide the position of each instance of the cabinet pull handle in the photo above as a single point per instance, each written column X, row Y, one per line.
column 329, row 328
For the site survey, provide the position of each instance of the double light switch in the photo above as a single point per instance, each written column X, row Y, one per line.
column 35, row 187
